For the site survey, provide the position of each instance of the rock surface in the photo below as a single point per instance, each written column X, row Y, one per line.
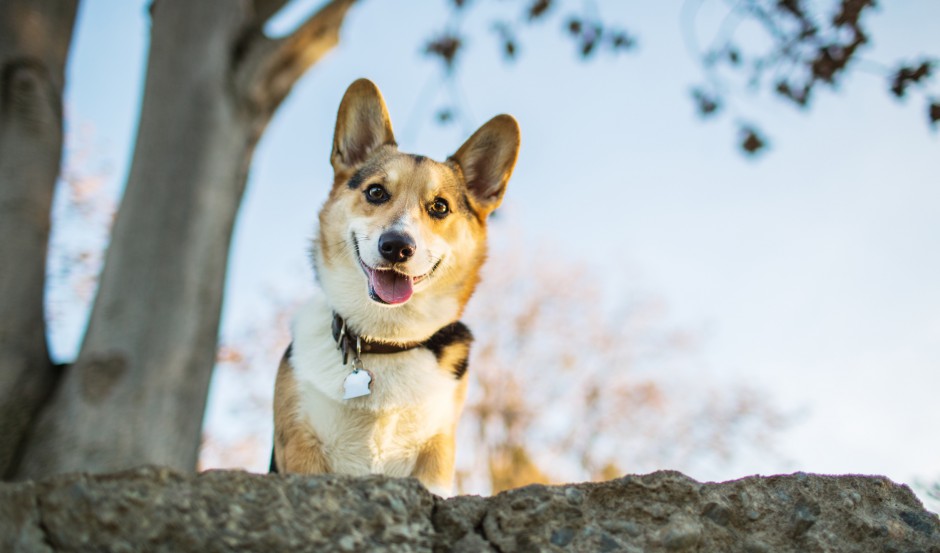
column 154, row 509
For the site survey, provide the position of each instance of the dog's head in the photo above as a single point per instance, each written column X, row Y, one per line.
column 402, row 237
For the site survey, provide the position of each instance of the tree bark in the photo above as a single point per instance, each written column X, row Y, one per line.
column 137, row 392
column 34, row 44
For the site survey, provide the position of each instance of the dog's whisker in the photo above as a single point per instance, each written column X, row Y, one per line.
column 335, row 249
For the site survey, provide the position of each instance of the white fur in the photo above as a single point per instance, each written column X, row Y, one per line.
column 443, row 491
column 429, row 248
column 348, row 289
column 412, row 400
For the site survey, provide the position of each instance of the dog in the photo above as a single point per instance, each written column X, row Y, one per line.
column 375, row 378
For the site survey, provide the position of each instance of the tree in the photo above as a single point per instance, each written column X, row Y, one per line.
column 137, row 390
column 32, row 77
column 621, row 393
column 630, row 380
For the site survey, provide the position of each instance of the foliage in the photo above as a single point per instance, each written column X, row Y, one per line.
column 793, row 49
column 806, row 46
column 567, row 387
column 588, row 31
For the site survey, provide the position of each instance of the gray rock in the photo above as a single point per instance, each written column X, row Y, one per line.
column 154, row 509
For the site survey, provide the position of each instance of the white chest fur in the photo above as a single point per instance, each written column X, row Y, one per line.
column 412, row 400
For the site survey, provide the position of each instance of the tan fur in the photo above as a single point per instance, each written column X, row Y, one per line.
column 464, row 230
column 407, row 425
column 435, row 464
column 296, row 446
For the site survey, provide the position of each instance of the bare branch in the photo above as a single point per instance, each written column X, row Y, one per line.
column 269, row 67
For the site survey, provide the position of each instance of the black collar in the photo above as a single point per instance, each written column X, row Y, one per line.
column 348, row 341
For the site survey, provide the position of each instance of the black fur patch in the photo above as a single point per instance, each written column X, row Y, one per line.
column 418, row 159
column 460, row 368
column 356, row 180
column 453, row 334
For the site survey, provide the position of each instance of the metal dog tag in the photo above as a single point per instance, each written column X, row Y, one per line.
column 357, row 383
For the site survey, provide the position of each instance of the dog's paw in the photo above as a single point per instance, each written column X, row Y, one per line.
column 442, row 491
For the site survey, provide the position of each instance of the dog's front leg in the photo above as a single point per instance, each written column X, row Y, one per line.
column 297, row 448
column 435, row 465
column 300, row 452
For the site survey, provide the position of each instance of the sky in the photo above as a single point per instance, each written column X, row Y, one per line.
column 811, row 272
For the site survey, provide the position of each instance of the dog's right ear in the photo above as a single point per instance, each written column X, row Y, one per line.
column 362, row 125
column 486, row 160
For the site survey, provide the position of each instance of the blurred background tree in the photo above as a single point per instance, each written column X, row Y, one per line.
column 564, row 387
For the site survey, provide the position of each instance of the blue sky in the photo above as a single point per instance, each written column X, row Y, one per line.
column 811, row 272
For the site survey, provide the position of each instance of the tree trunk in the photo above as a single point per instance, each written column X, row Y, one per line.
column 137, row 392
column 34, row 44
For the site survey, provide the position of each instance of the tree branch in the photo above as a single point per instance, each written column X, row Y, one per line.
column 267, row 71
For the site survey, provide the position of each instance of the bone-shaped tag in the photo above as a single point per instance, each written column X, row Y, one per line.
column 357, row 383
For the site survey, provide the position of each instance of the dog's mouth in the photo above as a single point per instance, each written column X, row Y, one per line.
column 388, row 286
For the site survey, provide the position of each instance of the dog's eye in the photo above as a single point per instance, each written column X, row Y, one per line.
column 377, row 194
column 439, row 208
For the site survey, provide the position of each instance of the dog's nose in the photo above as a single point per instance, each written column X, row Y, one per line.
column 396, row 246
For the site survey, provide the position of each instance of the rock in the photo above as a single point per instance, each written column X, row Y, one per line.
column 154, row 509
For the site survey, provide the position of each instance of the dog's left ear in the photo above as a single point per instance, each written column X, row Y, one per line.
column 487, row 159
column 362, row 126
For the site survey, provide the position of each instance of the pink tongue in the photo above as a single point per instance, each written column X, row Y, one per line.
column 392, row 287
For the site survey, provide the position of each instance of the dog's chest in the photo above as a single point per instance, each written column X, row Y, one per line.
column 412, row 399
column 358, row 442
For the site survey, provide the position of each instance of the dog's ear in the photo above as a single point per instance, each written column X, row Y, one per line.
column 487, row 159
column 362, row 125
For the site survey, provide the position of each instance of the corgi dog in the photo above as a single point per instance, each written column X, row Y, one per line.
column 375, row 378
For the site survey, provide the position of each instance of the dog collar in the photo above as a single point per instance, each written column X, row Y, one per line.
column 347, row 341
column 358, row 383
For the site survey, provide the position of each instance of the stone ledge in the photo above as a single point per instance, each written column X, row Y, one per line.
column 155, row 509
